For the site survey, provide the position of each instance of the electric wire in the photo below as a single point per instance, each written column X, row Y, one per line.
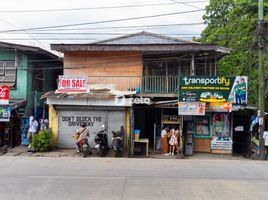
column 105, row 21
column 97, row 8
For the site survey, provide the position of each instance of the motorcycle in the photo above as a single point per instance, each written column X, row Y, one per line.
column 101, row 142
column 84, row 148
column 117, row 141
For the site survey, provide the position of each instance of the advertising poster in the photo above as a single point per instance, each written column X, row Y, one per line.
column 220, row 107
column 4, row 95
column 192, row 108
column 213, row 89
column 68, row 83
column 5, row 112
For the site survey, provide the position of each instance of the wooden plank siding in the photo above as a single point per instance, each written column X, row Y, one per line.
column 124, row 69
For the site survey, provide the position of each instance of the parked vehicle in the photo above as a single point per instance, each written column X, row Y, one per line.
column 101, row 142
column 84, row 148
column 118, row 141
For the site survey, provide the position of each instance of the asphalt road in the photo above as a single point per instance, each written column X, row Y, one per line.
column 124, row 178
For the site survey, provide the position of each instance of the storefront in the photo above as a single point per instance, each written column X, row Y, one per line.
column 206, row 104
column 68, row 112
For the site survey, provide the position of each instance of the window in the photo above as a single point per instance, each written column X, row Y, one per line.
column 202, row 126
column 7, row 73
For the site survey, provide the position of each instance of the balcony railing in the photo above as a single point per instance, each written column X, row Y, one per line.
column 144, row 84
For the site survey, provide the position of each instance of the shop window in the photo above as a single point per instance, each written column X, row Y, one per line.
column 221, row 125
column 202, row 126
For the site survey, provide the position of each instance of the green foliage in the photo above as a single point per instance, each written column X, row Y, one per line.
column 42, row 141
column 232, row 24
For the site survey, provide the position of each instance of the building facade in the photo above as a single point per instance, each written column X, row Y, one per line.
column 141, row 72
column 29, row 72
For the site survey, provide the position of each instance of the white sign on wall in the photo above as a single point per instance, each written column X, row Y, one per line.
column 69, row 83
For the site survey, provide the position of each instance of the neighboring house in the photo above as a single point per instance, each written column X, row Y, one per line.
column 29, row 72
column 142, row 65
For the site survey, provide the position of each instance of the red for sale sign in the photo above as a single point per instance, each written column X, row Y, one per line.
column 67, row 84
column 4, row 95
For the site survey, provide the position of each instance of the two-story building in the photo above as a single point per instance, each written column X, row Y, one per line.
column 29, row 72
column 134, row 81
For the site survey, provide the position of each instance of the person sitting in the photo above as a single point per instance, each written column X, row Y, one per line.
column 81, row 135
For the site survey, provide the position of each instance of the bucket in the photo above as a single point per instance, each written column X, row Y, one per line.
column 136, row 134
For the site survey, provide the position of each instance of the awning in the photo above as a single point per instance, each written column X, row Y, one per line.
column 16, row 104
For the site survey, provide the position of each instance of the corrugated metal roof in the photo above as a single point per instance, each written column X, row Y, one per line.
column 144, row 38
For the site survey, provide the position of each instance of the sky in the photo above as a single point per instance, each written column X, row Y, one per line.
column 18, row 18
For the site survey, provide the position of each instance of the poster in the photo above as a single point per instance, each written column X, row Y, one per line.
column 4, row 95
column 68, row 83
column 5, row 112
column 213, row 89
column 192, row 108
column 220, row 107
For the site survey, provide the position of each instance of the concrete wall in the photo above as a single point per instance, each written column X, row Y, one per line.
column 53, row 123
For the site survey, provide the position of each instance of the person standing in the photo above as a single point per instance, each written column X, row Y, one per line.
column 33, row 128
column 172, row 141
column 164, row 141
column 265, row 137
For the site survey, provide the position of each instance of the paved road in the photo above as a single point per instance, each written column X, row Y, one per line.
column 122, row 178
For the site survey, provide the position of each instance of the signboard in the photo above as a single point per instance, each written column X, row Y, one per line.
column 5, row 112
column 68, row 83
column 213, row 89
column 220, row 107
column 4, row 95
column 192, row 108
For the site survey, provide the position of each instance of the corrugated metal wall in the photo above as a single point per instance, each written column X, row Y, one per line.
column 69, row 120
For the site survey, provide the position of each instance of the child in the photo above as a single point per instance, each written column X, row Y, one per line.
column 172, row 141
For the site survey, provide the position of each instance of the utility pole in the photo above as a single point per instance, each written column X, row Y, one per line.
column 260, row 31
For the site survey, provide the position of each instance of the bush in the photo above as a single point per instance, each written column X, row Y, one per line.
column 42, row 141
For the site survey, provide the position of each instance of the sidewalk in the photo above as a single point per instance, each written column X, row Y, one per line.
column 22, row 151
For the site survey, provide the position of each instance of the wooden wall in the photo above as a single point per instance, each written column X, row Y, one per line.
column 202, row 145
column 118, row 64
column 103, row 63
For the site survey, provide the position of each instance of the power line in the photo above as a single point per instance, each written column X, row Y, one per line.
column 105, row 21
column 87, row 33
column 96, row 8
column 186, row 3
column 124, row 27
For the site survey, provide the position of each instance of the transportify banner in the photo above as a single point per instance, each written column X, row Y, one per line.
column 4, row 95
column 5, row 112
column 213, row 89
column 192, row 108
column 68, row 83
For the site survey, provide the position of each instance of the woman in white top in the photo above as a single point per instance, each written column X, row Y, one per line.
column 164, row 140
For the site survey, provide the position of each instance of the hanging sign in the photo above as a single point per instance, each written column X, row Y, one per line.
column 68, row 84
column 4, row 95
column 213, row 89
column 220, row 107
column 5, row 112
column 192, row 108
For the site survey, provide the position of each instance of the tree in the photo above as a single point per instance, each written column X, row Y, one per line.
column 232, row 24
